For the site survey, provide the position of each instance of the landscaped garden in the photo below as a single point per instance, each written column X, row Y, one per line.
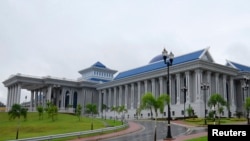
column 33, row 126
column 200, row 122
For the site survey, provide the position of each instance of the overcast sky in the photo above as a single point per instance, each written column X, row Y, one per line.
column 61, row 37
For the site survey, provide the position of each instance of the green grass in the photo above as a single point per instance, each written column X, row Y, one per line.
column 200, row 121
column 33, row 127
column 199, row 139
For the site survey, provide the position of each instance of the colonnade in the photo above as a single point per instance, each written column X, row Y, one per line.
column 14, row 94
column 130, row 94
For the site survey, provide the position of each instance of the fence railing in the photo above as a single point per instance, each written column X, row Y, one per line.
column 73, row 134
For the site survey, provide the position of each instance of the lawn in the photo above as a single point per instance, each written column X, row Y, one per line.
column 199, row 139
column 33, row 127
column 200, row 122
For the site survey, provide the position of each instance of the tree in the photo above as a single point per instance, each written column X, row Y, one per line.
column 190, row 111
column 91, row 109
column 163, row 100
column 40, row 111
column 149, row 103
column 114, row 109
column 17, row 111
column 79, row 111
column 52, row 110
column 123, row 110
column 216, row 100
column 247, row 107
column 1, row 104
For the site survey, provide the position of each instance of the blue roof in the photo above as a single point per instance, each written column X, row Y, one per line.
column 241, row 67
column 99, row 65
column 158, row 63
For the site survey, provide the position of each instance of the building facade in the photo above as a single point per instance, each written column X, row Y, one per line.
column 98, row 84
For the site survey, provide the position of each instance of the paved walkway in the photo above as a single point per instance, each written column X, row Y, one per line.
column 134, row 127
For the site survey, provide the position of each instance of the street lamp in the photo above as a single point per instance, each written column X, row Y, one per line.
column 168, row 60
column 213, row 109
column 204, row 87
column 184, row 89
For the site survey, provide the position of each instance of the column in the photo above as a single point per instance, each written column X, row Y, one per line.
column 31, row 100
column 146, row 86
column 139, row 93
column 120, row 95
column 126, row 95
column 217, row 83
column 188, row 96
column 153, row 87
column 225, row 87
column 49, row 93
column 170, row 88
column 8, row 100
column 11, row 96
column 36, row 99
column 109, row 98
column 198, row 79
column 233, row 99
column 100, row 101
column 105, row 97
column 178, row 88
column 114, row 102
column 14, row 94
column 132, row 95
column 161, row 85
column 210, row 84
column 18, row 93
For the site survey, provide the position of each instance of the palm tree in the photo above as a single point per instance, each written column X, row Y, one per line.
column 149, row 102
column 163, row 100
column 17, row 111
column 91, row 109
column 52, row 110
column 190, row 111
column 247, row 107
column 114, row 109
column 79, row 111
column 123, row 110
column 40, row 111
column 217, row 100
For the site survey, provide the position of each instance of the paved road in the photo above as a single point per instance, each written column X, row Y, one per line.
column 147, row 133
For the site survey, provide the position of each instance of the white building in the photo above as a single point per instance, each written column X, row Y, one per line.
column 127, row 88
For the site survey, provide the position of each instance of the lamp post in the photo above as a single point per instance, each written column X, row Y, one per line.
column 184, row 89
column 213, row 109
column 204, row 87
column 168, row 60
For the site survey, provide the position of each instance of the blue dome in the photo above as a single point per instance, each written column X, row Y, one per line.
column 156, row 59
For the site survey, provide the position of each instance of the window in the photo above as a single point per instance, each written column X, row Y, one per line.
column 173, row 113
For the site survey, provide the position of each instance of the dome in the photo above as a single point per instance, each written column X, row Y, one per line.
column 156, row 59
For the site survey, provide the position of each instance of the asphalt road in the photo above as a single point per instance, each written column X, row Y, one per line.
column 148, row 131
